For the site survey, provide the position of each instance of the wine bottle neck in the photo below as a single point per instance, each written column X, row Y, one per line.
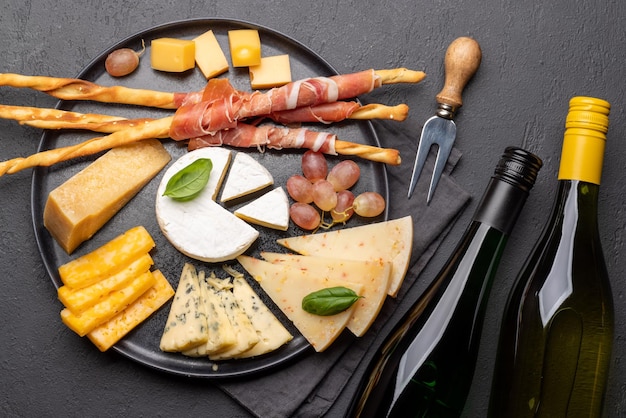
column 500, row 205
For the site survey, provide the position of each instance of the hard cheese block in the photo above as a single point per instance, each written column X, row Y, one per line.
column 287, row 289
column 373, row 275
column 78, row 208
column 273, row 71
column 209, row 55
column 270, row 210
column 172, row 55
column 388, row 241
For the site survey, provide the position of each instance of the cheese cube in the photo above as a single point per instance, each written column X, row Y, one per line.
column 245, row 47
column 173, row 55
column 271, row 72
column 209, row 56
column 78, row 208
column 107, row 334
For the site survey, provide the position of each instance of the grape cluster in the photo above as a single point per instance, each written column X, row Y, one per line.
column 329, row 191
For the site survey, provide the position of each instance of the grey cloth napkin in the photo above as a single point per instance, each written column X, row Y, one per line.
column 308, row 387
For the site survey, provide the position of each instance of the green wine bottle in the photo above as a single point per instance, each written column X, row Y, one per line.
column 557, row 331
column 425, row 366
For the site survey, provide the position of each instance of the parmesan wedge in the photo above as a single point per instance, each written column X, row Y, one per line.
column 106, row 335
column 390, row 241
column 373, row 275
column 78, row 208
column 107, row 259
column 109, row 307
column 288, row 287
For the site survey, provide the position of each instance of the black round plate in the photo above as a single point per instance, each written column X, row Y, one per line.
column 142, row 344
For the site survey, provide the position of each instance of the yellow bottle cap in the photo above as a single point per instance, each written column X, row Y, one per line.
column 585, row 137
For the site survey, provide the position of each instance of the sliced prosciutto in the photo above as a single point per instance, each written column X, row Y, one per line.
column 246, row 136
column 209, row 116
column 323, row 113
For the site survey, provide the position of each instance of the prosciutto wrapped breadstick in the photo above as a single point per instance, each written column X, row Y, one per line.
column 274, row 137
column 76, row 89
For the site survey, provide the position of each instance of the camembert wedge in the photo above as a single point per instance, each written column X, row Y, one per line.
column 287, row 288
column 373, row 275
column 270, row 210
column 246, row 176
column 390, row 241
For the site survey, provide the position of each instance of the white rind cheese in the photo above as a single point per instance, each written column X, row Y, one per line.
column 270, row 210
column 246, row 176
column 200, row 228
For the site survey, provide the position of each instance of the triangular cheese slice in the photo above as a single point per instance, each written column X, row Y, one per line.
column 272, row 334
column 387, row 241
column 287, row 288
column 247, row 176
column 373, row 275
column 270, row 210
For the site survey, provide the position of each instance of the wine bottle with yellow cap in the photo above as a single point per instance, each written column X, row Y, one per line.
column 557, row 330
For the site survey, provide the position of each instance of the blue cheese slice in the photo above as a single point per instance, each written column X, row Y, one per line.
column 244, row 331
column 246, row 176
column 272, row 334
column 270, row 210
column 186, row 325
column 221, row 333
column 287, row 288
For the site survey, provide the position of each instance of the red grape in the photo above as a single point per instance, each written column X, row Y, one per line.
column 324, row 195
column 343, row 210
column 369, row 204
column 344, row 175
column 304, row 215
column 314, row 165
column 300, row 189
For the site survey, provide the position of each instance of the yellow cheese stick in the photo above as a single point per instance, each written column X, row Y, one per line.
column 109, row 333
column 113, row 304
column 106, row 260
column 77, row 300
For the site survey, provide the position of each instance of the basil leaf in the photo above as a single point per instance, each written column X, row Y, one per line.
column 329, row 301
column 189, row 181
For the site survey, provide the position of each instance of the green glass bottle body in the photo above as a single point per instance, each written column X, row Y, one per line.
column 425, row 366
column 557, row 330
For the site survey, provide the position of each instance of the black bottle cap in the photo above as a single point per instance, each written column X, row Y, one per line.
column 518, row 167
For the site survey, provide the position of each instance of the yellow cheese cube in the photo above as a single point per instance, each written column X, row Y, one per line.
column 107, row 259
column 209, row 55
column 107, row 334
column 77, row 300
column 245, row 47
column 108, row 308
column 78, row 208
column 173, row 55
column 271, row 72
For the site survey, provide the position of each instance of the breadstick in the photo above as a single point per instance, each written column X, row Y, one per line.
column 400, row 75
column 154, row 129
column 76, row 89
column 378, row 111
column 382, row 155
